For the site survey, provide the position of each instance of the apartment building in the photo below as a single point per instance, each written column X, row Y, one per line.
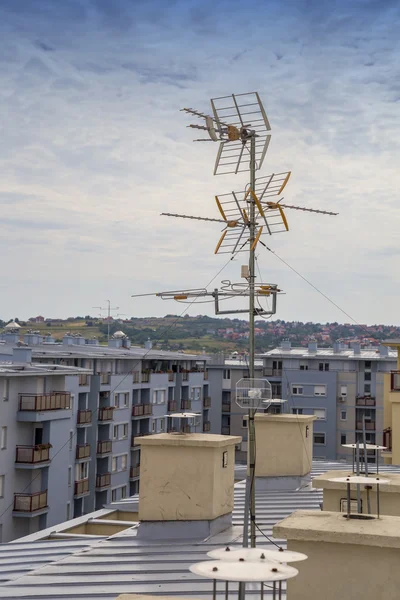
column 339, row 385
column 83, row 441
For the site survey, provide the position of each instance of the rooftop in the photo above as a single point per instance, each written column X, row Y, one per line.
column 372, row 354
column 8, row 369
column 99, row 568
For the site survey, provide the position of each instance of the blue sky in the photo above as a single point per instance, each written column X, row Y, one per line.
column 94, row 148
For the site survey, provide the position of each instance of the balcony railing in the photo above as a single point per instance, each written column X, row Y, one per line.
column 104, row 447
column 84, row 417
column 139, row 410
column 105, row 378
column 103, row 480
column 225, row 430
column 106, row 414
column 172, row 406
column 145, row 377
column 81, row 487
column 207, row 402
column 387, row 438
column 83, row 451
column 43, row 402
column 186, row 404
column 30, row 502
column 395, row 381
column 270, row 372
column 226, row 407
column 365, row 401
column 32, row 455
column 369, row 425
column 171, row 376
column 134, row 472
column 84, row 379
column 206, row 426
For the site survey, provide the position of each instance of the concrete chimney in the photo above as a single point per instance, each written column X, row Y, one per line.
column 33, row 339
column 312, row 347
column 115, row 343
column 356, row 346
column 148, row 344
column 22, row 355
column 186, row 484
column 337, row 346
column 68, row 340
column 11, row 338
column 284, row 450
column 383, row 350
column 286, row 345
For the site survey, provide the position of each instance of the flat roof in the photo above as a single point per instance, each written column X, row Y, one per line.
column 9, row 369
column 345, row 354
column 103, row 568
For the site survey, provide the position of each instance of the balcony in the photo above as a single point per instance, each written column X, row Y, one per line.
column 103, row 481
column 395, row 381
column 171, row 376
column 45, row 402
column 106, row 414
column 33, row 455
column 81, row 487
column 84, row 417
column 172, row 406
column 134, row 472
column 139, row 410
column 207, row 402
column 104, row 447
column 83, row 451
column 387, row 438
column 270, row 372
column 145, row 377
column 105, row 378
column 226, row 407
column 369, row 425
column 186, row 404
column 206, row 426
column 84, row 379
column 30, row 503
column 365, row 401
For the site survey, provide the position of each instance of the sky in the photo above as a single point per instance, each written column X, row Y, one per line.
column 93, row 149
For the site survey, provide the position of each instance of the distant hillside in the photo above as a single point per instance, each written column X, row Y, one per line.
column 214, row 335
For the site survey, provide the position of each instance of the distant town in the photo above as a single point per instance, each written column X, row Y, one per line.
column 207, row 334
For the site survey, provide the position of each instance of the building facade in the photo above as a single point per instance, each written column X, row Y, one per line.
column 76, row 419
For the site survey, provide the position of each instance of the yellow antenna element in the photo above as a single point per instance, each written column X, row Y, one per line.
column 180, row 297
column 285, row 182
column 233, row 133
column 283, row 217
column 272, row 205
column 256, row 200
column 245, row 217
column 265, row 287
column 254, row 244
column 220, row 241
column 221, row 210
column 233, row 223
column 263, row 293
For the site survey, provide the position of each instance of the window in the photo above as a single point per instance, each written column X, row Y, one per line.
column 195, row 393
column 162, row 425
column 297, row 390
column 367, row 376
column 343, row 390
column 303, row 366
column 115, row 432
column 124, row 430
column 114, row 495
column 123, row 492
column 69, row 475
column 343, row 438
column 368, row 364
column 3, row 438
column 123, row 462
column 82, row 471
column 2, row 478
column 245, row 422
column 227, row 373
column 121, row 400
column 319, row 438
column 323, row 366
column 125, row 399
column 116, row 400
column 319, row 390
column 71, row 438
column 343, row 415
column 114, row 464
column 6, row 389
column 297, row 411
column 158, row 397
column 68, row 516
column 153, row 426
column 320, row 413
column 367, row 388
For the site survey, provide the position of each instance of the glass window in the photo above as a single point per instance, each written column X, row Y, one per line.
column 297, row 390
column 303, row 366
column 123, row 492
column 343, row 415
column 114, row 464
column 320, row 413
column 125, row 430
column 71, row 438
column 124, row 462
column 245, row 421
column 69, row 475
column 114, row 495
column 116, row 400
column 227, row 373
column 6, row 389
column 115, row 432
column 3, row 440
column 367, row 364
column 367, row 376
column 343, row 438
column 367, row 388
column 319, row 438
column 319, row 390
column 68, row 511
column 2, row 478
column 297, row 411
column 154, row 397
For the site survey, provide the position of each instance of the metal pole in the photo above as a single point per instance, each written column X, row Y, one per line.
column 357, row 451
column 252, row 342
column 348, row 500
column 246, row 513
column 377, row 500
column 214, row 589
column 365, row 447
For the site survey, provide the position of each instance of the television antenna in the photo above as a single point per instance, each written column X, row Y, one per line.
column 240, row 124
column 109, row 309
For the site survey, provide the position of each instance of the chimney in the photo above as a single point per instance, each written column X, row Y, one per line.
column 383, row 350
column 312, row 347
column 284, row 450
column 92, row 342
column 286, row 345
column 148, row 344
column 356, row 346
column 22, row 355
column 68, row 340
column 11, row 338
column 33, row 339
column 337, row 346
column 186, row 484
column 115, row 343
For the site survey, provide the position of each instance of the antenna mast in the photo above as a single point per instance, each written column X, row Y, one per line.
column 108, row 308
